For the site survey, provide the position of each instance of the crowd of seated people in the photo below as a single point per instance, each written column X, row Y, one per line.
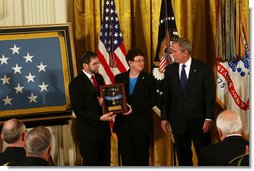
column 33, row 148
column 25, row 149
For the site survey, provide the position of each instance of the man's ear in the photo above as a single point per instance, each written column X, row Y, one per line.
column 129, row 62
column 220, row 133
column 185, row 53
column 49, row 150
column 23, row 136
column 23, row 139
column 84, row 65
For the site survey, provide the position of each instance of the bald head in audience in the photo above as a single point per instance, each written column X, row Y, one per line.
column 232, row 146
column 228, row 122
column 13, row 133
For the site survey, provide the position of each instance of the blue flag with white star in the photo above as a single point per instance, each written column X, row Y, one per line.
column 167, row 33
column 32, row 75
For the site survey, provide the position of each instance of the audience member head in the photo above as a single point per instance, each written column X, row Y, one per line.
column 228, row 122
column 13, row 133
column 38, row 142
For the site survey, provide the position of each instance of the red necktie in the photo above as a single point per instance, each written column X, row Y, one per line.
column 95, row 83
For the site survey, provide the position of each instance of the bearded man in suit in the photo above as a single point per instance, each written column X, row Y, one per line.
column 93, row 127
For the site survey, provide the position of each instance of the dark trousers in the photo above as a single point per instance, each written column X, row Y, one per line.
column 134, row 150
column 183, row 146
column 95, row 152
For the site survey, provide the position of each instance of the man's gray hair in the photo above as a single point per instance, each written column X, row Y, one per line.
column 229, row 122
column 184, row 44
column 38, row 140
column 12, row 130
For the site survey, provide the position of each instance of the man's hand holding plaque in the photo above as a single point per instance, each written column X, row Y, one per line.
column 107, row 116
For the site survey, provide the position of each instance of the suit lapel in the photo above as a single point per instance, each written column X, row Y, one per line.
column 126, row 81
column 99, row 79
column 177, row 79
column 89, row 83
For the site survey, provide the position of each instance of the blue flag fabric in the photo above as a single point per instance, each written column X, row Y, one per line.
column 31, row 75
column 166, row 23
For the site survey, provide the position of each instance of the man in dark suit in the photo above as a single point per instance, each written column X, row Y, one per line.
column 134, row 127
column 38, row 147
column 188, row 101
column 13, row 134
column 232, row 145
column 93, row 127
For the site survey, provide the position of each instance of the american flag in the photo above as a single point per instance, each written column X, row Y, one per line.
column 32, row 75
column 111, row 50
column 167, row 33
column 165, row 60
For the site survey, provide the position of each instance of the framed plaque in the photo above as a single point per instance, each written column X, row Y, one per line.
column 114, row 98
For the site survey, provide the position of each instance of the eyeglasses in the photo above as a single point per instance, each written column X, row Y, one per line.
column 139, row 61
column 96, row 63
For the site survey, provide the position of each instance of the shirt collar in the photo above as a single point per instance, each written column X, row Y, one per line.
column 187, row 64
column 87, row 74
column 230, row 135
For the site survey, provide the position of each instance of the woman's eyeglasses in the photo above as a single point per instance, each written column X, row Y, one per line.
column 139, row 61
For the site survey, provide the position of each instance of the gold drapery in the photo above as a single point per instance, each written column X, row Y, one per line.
column 139, row 21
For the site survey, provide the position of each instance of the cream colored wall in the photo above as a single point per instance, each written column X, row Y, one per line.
column 32, row 12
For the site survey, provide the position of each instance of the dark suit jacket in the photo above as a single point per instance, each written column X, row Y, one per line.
column 220, row 154
column 188, row 109
column 14, row 156
column 86, row 107
column 35, row 161
column 142, row 100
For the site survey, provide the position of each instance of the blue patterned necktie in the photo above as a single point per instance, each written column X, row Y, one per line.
column 183, row 77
